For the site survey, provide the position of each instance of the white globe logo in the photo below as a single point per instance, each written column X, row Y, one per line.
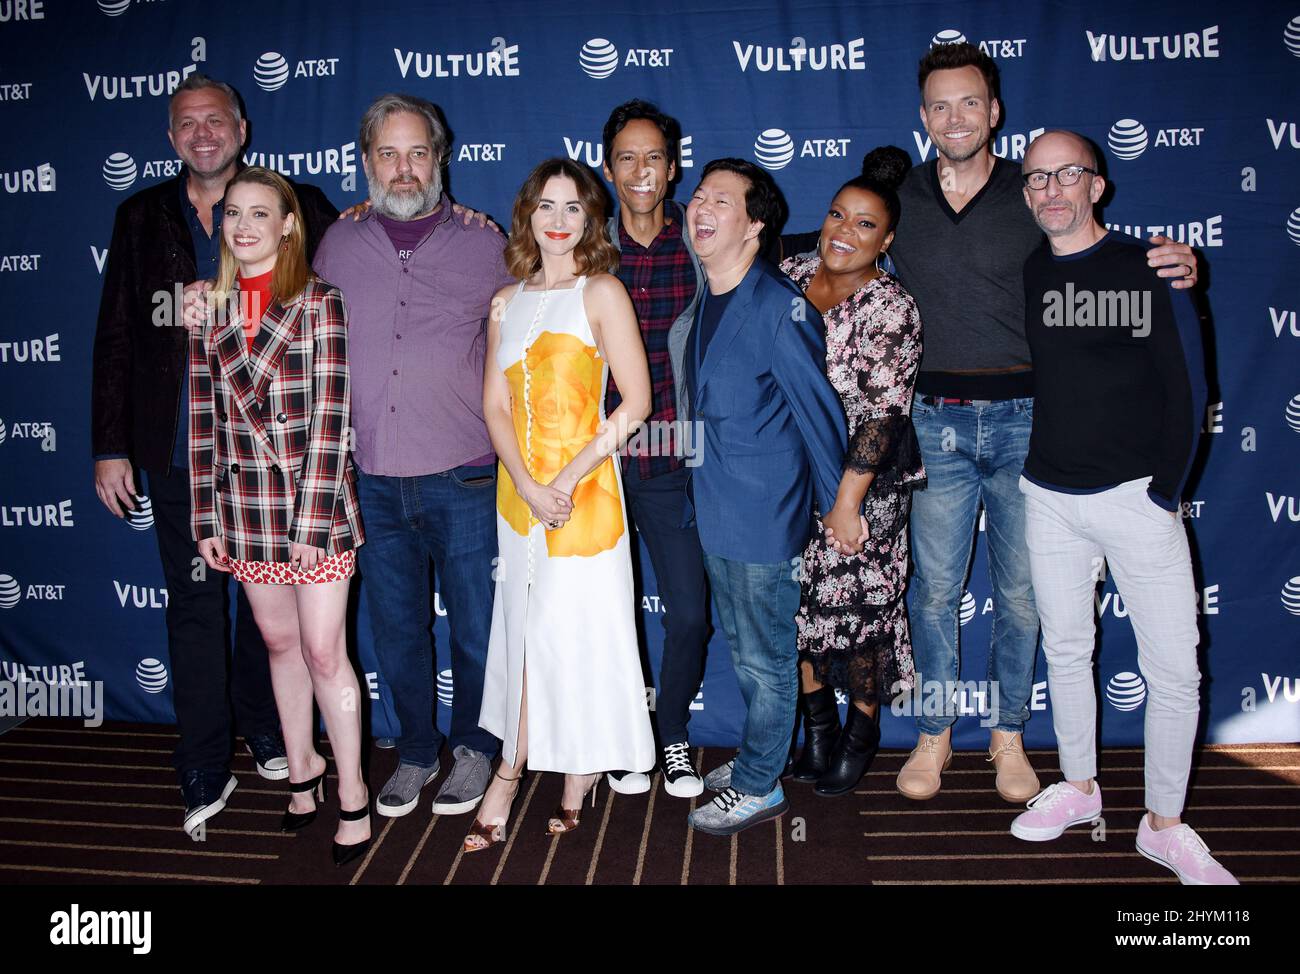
column 949, row 36
column 1128, row 138
column 599, row 58
column 1291, row 596
column 10, row 592
column 1291, row 36
column 141, row 519
column 114, row 8
column 774, row 149
column 445, row 688
column 271, row 71
column 967, row 611
column 2, row 431
column 1126, row 691
column 151, row 675
column 1293, row 226
column 119, row 171
column 1293, row 414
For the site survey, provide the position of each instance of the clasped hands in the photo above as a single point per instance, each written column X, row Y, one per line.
column 846, row 530
column 552, row 503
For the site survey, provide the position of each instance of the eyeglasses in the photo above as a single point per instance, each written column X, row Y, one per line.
column 1067, row 176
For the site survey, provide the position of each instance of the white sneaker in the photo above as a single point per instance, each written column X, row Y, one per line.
column 628, row 782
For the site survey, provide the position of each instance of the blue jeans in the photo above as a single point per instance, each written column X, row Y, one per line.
column 756, row 606
column 973, row 454
column 451, row 518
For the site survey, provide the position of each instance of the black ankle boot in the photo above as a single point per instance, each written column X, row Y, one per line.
column 821, row 726
column 851, row 756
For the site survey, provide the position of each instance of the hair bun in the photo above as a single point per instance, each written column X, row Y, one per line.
column 887, row 164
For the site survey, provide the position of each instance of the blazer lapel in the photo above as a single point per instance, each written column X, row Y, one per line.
column 279, row 328
column 729, row 327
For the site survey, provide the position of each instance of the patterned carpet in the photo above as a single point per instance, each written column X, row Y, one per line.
column 100, row 806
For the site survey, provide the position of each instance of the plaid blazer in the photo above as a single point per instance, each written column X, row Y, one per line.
column 270, row 430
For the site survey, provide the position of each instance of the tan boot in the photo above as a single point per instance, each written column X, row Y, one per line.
column 919, row 777
column 1016, row 781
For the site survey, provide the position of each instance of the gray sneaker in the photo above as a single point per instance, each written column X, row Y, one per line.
column 719, row 779
column 732, row 812
column 402, row 793
column 466, row 784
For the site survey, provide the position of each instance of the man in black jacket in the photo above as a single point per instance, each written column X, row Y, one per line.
column 164, row 238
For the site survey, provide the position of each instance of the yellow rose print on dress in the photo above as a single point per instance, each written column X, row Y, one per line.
column 564, row 384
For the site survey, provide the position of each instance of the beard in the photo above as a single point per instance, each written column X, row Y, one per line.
column 213, row 168
column 960, row 155
column 406, row 203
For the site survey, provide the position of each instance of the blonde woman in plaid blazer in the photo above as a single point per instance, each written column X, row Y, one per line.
column 272, row 483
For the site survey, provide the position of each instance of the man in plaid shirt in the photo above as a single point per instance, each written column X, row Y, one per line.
column 665, row 281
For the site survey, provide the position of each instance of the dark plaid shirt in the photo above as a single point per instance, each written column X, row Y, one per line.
column 661, row 282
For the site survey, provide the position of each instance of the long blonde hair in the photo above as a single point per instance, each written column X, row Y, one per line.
column 291, row 271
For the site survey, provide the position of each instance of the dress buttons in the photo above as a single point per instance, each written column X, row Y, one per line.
column 221, row 415
column 394, row 372
column 281, row 418
column 275, row 469
column 234, row 468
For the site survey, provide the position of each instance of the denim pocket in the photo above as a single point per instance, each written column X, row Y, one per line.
column 475, row 477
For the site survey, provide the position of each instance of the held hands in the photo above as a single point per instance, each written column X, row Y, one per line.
column 1174, row 260
column 846, row 531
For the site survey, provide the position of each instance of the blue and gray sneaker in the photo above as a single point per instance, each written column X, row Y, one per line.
column 732, row 812
column 719, row 779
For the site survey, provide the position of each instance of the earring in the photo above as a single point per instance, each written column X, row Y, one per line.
column 878, row 267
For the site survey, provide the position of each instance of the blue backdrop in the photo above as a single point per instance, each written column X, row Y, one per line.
column 1196, row 106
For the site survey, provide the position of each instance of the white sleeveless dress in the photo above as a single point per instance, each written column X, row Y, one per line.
column 564, row 600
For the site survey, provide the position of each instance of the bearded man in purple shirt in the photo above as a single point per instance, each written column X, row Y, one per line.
column 419, row 285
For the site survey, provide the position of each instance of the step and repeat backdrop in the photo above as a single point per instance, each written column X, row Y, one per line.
column 1196, row 105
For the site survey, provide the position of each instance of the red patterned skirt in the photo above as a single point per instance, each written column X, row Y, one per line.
column 334, row 568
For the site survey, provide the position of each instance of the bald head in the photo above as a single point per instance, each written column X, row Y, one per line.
column 1060, row 143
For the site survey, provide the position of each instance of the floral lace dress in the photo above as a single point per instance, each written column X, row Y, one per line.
column 852, row 614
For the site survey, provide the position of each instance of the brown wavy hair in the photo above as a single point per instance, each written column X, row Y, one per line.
column 291, row 268
column 594, row 254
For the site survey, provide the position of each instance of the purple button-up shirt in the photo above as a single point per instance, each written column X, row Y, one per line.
column 417, row 333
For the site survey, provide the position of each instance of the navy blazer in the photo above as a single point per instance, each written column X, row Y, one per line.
column 773, row 427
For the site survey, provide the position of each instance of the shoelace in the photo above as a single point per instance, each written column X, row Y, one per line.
column 1008, row 747
column 676, row 759
column 727, row 800
column 1049, row 797
column 1185, row 838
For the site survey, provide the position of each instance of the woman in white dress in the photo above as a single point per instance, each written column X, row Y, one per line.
column 564, row 689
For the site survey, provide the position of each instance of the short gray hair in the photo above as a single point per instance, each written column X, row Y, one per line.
column 385, row 105
column 200, row 82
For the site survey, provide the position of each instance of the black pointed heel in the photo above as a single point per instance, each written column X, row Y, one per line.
column 293, row 821
column 344, row 854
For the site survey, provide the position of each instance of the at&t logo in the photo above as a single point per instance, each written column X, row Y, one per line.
column 599, row 58
column 120, row 171
column 966, row 612
column 114, row 8
column 11, row 592
column 446, row 688
column 141, row 519
column 1293, row 413
column 1126, row 691
column 1293, row 226
column 272, row 69
column 1291, row 36
column 993, row 47
column 151, row 675
column 1128, row 138
column 1291, row 596
column 774, row 148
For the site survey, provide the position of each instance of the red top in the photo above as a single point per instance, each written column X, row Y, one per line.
column 254, row 299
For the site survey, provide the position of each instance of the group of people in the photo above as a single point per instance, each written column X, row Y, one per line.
column 409, row 385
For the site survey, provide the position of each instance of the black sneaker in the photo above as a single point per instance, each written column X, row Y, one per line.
column 269, row 754
column 680, row 777
column 205, row 794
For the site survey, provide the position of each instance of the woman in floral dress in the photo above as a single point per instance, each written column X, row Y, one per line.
column 853, row 632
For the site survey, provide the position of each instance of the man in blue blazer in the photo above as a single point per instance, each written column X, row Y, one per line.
column 773, row 438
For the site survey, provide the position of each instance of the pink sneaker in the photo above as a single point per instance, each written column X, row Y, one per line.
column 1183, row 851
column 1054, row 810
